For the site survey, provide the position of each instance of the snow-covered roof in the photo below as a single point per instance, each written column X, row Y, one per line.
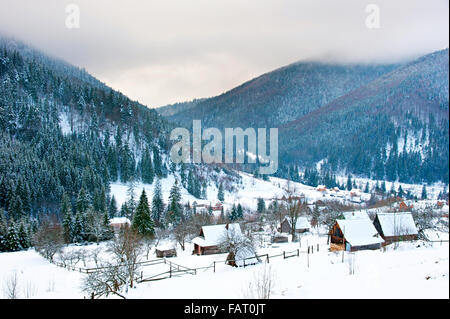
column 359, row 232
column 302, row 223
column 397, row 224
column 356, row 215
column 166, row 246
column 119, row 220
column 213, row 235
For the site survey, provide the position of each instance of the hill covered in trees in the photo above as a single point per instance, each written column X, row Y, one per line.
column 380, row 121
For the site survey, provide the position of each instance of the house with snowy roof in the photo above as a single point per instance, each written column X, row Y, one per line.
column 396, row 226
column 355, row 234
column 302, row 225
column 211, row 236
column 118, row 222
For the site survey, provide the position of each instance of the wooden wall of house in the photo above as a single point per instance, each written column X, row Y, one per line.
column 337, row 237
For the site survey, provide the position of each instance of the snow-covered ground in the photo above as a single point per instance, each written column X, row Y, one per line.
column 413, row 270
column 247, row 193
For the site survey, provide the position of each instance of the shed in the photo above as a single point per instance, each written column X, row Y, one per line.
column 302, row 225
column 165, row 251
column 279, row 238
column 210, row 238
column 118, row 222
column 396, row 226
column 355, row 234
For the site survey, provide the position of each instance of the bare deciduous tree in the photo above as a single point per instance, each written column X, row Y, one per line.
column 49, row 239
column 293, row 207
column 11, row 286
column 262, row 285
column 110, row 280
column 127, row 248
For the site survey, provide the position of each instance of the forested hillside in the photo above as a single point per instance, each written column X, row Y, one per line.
column 61, row 131
column 394, row 128
column 379, row 121
column 279, row 96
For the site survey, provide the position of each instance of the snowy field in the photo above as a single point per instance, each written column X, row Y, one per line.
column 412, row 270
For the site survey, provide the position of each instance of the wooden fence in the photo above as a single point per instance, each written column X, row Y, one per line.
column 176, row 270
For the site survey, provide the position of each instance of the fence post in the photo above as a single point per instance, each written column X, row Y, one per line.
column 284, row 255
column 312, row 249
column 214, row 267
column 298, row 252
column 267, row 258
column 317, row 247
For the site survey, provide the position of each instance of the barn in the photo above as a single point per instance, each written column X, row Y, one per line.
column 210, row 238
column 355, row 234
column 396, row 226
column 302, row 225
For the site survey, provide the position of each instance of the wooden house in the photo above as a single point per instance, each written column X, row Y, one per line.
column 302, row 225
column 279, row 238
column 165, row 251
column 396, row 226
column 403, row 207
column 210, row 237
column 355, row 234
column 117, row 223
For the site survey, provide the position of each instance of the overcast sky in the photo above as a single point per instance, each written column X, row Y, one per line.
column 166, row 51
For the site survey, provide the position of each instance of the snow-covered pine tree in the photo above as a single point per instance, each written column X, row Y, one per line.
column 157, row 204
column 175, row 209
column 142, row 221
column 220, row 194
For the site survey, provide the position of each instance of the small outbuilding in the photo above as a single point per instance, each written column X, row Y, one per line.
column 355, row 234
column 165, row 251
column 117, row 223
column 279, row 238
column 302, row 225
column 396, row 226
column 210, row 237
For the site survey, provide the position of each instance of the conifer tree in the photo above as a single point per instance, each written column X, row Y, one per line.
column 142, row 221
column 424, row 192
column 157, row 204
column 66, row 213
column 220, row 195
column 174, row 209
column 239, row 212
column 112, row 207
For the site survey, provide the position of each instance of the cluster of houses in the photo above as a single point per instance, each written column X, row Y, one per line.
column 356, row 231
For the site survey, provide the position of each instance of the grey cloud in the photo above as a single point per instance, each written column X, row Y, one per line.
column 172, row 50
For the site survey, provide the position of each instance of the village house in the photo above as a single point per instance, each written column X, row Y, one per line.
column 403, row 207
column 165, row 251
column 354, row 234
column 118, row 222
column 210, row 237
column 396, row 226
column 302, row 225
column 217, row 207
